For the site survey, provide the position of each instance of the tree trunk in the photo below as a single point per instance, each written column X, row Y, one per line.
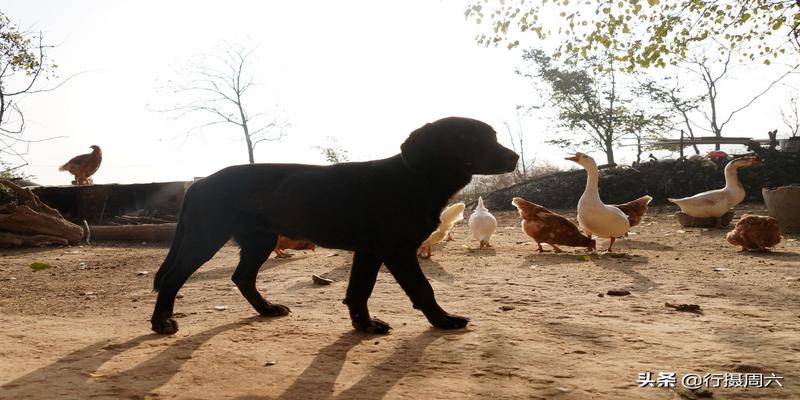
column 144, row 232
column 609, row 151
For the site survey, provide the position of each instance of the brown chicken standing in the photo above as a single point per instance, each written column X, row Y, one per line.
column 285, row 243
column 755, row 233
column 84, row 166
column 635, row 209
column 545, row 226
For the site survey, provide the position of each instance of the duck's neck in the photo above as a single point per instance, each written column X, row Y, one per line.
column 732, row 178
column 591, row 190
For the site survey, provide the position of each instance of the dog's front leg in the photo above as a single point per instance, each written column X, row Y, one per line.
column 362, row 281
column 405, row 269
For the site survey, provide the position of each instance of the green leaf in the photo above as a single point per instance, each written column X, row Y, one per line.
column 38, row 266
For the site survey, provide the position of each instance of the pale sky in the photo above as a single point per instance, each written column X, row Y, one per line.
column 364, row 72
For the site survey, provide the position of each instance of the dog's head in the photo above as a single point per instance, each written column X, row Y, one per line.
column 461, row 144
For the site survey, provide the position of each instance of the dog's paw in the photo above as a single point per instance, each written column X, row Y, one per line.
column 375, row 326
column 273, row 310
column 164, row 326
column 450, row 321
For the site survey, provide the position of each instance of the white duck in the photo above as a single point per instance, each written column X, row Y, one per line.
column 594, row 216
column 715, row 203
column 482, row 224
column 447, row 219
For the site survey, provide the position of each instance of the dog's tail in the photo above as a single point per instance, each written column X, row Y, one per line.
column 169, row 262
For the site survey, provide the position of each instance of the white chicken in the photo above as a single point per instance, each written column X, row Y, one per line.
column 482, row 224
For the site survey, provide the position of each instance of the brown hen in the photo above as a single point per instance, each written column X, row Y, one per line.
column 84, row 166
column 285, row 243
column 545, row 226
column 755, row 233
column 635, row 209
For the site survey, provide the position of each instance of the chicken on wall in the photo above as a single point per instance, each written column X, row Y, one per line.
column 84, row 166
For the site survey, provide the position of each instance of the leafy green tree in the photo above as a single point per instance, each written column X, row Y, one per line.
column 591, row 100
column 643, row 33
column 23, row 63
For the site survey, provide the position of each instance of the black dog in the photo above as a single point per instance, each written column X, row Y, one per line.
column 382, row 210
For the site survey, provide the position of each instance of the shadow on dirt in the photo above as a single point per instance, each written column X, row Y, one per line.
column 78, row 371
column 318, row 379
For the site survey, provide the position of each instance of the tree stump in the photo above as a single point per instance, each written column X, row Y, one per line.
column 30, row 222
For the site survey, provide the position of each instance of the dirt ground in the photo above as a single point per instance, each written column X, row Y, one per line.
column 540, row 327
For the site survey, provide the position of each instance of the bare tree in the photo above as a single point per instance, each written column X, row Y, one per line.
column 711, row 75
column 677, row 104
column 23, row 64
column 215, row 86
column 791, row 117
column 518, row 145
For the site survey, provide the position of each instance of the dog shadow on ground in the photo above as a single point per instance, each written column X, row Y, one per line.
column 77, row 372
column 317, row 381
column 434, row 270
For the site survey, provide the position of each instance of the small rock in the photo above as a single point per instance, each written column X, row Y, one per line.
column 270, row 363
column 142, row 273
column 617, row 292
column 82, row 265
column 601, row 295
column 220, row 308
column 720, row 269
column 693, row 308
column 179, row 295
column 506, row 308
column 332, row 255
column 320, row 280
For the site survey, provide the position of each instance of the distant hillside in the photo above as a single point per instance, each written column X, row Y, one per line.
column 660, row 179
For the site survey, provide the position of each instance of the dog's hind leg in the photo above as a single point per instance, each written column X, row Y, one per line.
column 362, row 281
column 194, row 250
column 255, row 249
column 405, row 269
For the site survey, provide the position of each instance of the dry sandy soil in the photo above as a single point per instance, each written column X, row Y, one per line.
column 539, row 329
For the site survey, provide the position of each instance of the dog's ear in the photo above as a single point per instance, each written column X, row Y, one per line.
column 420, row 150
